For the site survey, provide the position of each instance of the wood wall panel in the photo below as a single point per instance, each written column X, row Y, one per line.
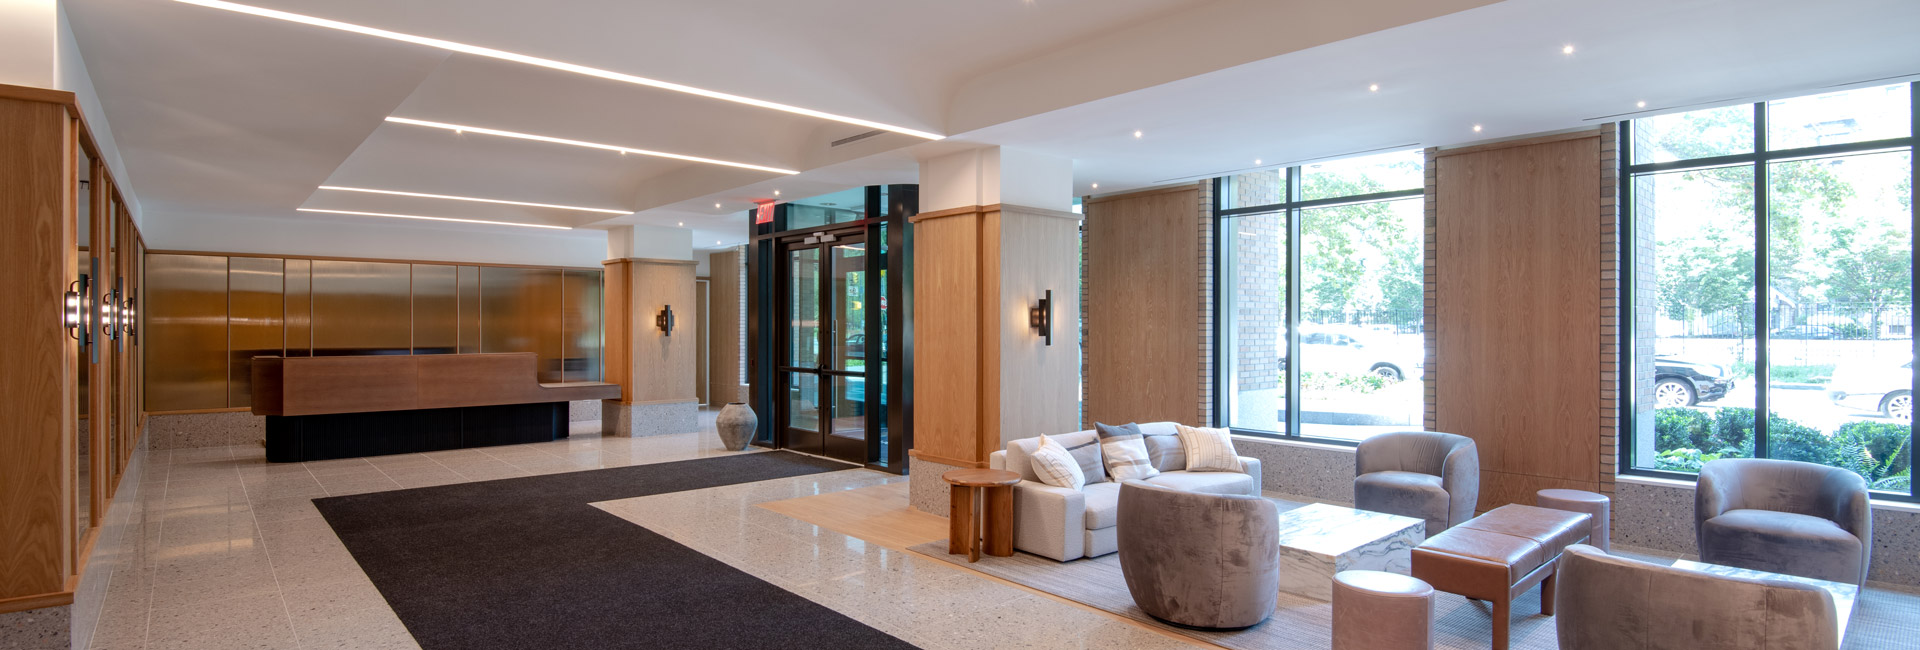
column 650, row 366
column 616, row 308
column 1142, row 307
column 36, row 362
column 1518, row 312
column 727, row 337
column 948, row 342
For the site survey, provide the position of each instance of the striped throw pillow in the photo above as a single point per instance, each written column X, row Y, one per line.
column 1126, row 452
column 1056, row 466
column 1209, row 450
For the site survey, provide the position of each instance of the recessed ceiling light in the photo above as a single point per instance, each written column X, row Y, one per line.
column 1374, row 87
column 1476, row 128
column 472, row 198
column 550, row 64
column 1096, row 186
column 415, row 216
column 716, row 205
column 1641, row 104
column 1566, row 50
column 457, row 128
column 716, row 242
column 776, row 192
column 681, row 223
column 1256, row 162
column 1137, row 134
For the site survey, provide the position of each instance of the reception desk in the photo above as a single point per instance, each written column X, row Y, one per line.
column 320, row 408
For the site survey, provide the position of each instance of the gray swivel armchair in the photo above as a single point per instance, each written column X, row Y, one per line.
column 1423, row 474
column 1784, row 516
column 1198, row 559
column 1607, row 602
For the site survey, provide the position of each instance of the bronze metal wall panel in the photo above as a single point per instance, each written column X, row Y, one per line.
column 436, row 309
column 469, row 292
column 520, row 312
column 361, row 308
column 186, row 316
column 299, row 308
column 256, row 324
column 580, row 318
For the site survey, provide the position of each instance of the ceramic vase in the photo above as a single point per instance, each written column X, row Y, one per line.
column 737, row 424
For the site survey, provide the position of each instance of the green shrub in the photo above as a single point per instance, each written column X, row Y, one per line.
column 1681, row 428
column 1364, row 384
column 1790, row 440
column 1683, row 460
column 1732, row 432
column 1852, row 331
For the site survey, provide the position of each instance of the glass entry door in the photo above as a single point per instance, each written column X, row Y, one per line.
column 828, row 405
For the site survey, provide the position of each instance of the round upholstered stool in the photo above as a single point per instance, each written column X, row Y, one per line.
column 1375, row 610
column 1597, row 505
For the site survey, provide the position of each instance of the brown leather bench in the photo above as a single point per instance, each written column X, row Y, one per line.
column 1499, row 555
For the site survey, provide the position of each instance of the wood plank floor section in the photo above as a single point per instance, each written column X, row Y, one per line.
column 877, row 514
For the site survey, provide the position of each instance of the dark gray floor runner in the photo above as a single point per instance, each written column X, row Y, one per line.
column 527, row 563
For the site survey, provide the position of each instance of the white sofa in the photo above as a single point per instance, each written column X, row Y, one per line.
column 1066, row 524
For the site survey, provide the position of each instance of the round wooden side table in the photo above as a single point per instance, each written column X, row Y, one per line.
column 981, row 513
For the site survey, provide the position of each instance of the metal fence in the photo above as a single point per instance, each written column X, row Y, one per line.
column 1832, row 320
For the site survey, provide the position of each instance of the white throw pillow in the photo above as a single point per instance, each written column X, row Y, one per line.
column 1056, row 466
column 1209, row 450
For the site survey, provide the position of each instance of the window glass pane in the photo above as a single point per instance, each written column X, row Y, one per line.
column 1840, row 270
column 1362, row 353
column 1723, row 131
column 1253, row 291
column 1387, row 172
column 1702, row 395
column 1858, row 115
column 838, row 207
column 1255, row 188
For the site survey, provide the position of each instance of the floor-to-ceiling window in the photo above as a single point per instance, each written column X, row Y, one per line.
column 1773, row 273
column 1320, row 298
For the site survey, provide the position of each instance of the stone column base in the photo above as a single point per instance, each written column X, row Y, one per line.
column 189, row 430
column 641, row 420
column 47, row 627
column 926, row 491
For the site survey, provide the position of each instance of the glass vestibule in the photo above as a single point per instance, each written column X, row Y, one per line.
column 821, row 274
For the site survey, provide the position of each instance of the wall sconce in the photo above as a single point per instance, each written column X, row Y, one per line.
column 110, row 316
column 665, row 320
column 1040, row 318
column 131, row 315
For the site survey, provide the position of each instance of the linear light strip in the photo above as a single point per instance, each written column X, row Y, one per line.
column 415, row 216
column 472, row 198
column 580, row 143
column 549, row 63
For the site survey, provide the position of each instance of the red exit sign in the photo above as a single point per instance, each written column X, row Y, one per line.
column 763, row 214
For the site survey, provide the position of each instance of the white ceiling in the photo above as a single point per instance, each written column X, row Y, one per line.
column 226, row 114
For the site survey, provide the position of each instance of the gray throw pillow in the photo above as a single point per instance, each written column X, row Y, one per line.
column 1087, row 454
column 1166, row 451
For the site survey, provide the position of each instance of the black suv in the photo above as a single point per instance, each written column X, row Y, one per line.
column 1678, row 382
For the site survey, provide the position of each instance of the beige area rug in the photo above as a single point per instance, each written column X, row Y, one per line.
column 1882, row 618
column 1297, row 624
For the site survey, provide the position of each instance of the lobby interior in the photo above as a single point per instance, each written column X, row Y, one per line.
column 1019, row 323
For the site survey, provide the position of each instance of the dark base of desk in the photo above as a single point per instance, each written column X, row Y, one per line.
column 351, row 435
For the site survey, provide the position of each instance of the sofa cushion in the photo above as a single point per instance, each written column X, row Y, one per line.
column 1163, row 446
column 1092, row 466
column 1208, row 482
column 1782, row 542
column 1056, row 466
column 1103, row 505
column 1020, row 452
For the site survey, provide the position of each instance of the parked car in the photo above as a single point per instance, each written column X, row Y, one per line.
column 1806, row 332
column 1349, row 349
column 1680, row 382
column 1876, row 384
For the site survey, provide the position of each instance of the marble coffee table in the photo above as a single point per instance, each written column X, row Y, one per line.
column 1319, row 540
column 1843, row 594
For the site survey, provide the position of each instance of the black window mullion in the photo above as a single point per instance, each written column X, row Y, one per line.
column 1293, row 303
column 1913, row 251
column 1762, row 368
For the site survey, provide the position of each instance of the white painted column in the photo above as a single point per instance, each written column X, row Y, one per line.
column 29, row 43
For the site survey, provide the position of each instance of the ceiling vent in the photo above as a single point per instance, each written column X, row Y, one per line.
column 855, row 138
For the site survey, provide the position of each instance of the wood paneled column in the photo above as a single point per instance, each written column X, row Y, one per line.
column 655, row 369
column 982, row 375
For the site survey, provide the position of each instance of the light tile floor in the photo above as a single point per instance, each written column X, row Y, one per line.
column 224, row 550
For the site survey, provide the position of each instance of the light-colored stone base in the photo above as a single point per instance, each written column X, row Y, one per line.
column 206, row 430
column 926, row 491
column 1322, row 472
column 48, row 627
column 641, row 420
column 586, row 410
